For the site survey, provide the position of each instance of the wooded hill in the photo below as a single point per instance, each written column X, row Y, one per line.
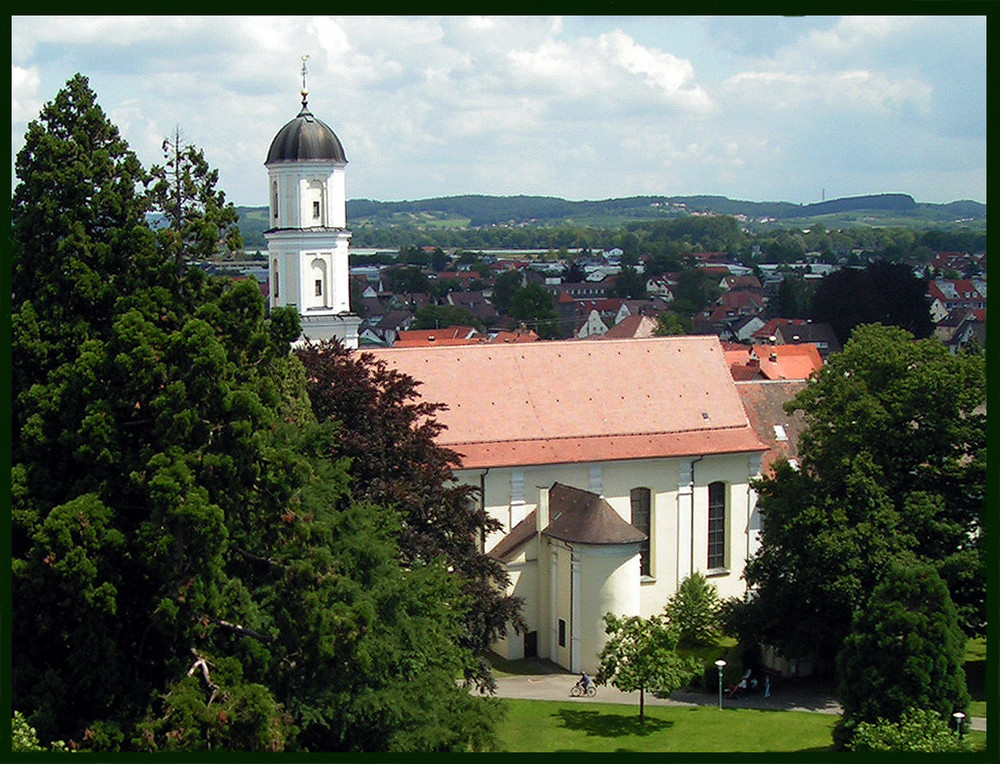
column 477, row 211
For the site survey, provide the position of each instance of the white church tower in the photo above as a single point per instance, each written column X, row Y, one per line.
column 308, row 237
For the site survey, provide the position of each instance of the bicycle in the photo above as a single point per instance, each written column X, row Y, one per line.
column 578, row 689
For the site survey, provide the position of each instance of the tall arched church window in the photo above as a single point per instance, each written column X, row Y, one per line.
column 641, row 501
column 274, row 278
column 716, row 526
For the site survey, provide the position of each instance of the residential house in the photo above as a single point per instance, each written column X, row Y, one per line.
column 476, row 303
column 950, row 294
column 799, row 361
column 820, row 335
column 640, row 326
column 615, row 469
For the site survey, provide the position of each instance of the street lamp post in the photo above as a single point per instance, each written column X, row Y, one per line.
column 720, row 664
column 959, row 718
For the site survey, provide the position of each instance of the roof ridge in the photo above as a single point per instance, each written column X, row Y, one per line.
column 604, row 436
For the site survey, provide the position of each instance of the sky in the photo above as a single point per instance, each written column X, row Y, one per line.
column 590, row 107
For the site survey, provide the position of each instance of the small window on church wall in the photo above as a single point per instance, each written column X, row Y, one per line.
column 641, row 520
column 319, row 287
column 716, row 526
column 315, row 210
column 275, row 279
column 274, row 199
column 562, row 632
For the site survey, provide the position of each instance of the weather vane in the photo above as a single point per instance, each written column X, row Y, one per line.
column 305, row 92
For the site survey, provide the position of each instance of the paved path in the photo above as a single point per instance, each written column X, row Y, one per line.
column 556, row 685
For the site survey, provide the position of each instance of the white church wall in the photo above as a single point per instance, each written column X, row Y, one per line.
column 678, row 542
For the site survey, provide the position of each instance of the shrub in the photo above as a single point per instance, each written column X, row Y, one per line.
column 918, row 730
column 694, row 609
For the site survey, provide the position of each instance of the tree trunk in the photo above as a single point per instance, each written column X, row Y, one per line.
column 642, row 706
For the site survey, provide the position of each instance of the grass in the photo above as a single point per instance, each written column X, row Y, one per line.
column 975, row 675
column 538, row 725
column 568, row 726
column 502, row 667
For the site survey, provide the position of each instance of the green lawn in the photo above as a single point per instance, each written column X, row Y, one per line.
column 975, row 675
column 538, row 725
column 568, row 726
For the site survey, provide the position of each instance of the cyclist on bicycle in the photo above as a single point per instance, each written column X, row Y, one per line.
column 585, row 681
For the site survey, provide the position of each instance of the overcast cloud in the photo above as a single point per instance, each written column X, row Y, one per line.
column 758, row 108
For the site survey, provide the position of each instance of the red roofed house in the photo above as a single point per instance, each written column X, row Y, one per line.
column 616, row 468
column 787, row 361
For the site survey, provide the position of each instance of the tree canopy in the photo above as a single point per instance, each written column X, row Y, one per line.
column 191, row 569
column 386, row 432
column 904, row 652
column 641, row 654
column 883, row 292
column 892, row 460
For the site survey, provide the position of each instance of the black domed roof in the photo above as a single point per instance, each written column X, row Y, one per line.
column 305, row 137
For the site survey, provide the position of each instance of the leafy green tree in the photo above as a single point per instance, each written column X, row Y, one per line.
column 893, row 458
column 387, row 433
column 406, row 279
column 792, row 299
column 694, row 292
column 919, row 730
column 905, row 651
column 25, row 740
column 442, row 316
column 200, row 223
column 506, row 285
column 641, row 654
column 694, row 610
column 669, row 324
column 630, row 284
column 884, row 292
column 533, row 305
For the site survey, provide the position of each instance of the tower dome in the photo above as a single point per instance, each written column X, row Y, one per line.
column 305, row 138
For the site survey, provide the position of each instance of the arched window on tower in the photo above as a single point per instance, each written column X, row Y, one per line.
column 274, row 200
column 717, row 526
column 274, row 278
column 315, row 206
column 319, row 279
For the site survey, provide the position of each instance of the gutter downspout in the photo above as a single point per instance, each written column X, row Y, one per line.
column 693, row 462
column 575, row 638
column 482, row 506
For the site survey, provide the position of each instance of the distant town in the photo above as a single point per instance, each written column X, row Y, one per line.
column 758, row 291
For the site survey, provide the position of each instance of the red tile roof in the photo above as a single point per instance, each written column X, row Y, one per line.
column 764, row 402
column 636, row 327
column 567, row 402
column 788, row 361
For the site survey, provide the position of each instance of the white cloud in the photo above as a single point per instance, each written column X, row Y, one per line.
column 24, row 101
column 582, row 107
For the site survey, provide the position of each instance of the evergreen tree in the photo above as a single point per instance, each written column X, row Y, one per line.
column 200, row 223
column 78, row 235
column 189, row 570
column 905, row 651
column 694, row 611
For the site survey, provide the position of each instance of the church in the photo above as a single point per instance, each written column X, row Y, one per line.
column 616, row 468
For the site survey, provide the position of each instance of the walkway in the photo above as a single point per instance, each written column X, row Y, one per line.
column 555, row 684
